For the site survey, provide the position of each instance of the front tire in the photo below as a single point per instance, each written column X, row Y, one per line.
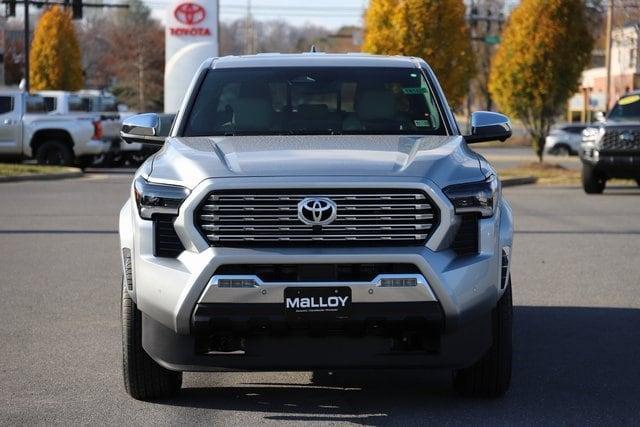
column 144, row 379
column 592, row 182
column 491, row 375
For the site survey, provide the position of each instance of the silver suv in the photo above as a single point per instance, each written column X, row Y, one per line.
column 315, row 212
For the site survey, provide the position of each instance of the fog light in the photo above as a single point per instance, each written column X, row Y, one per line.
column 398, row 283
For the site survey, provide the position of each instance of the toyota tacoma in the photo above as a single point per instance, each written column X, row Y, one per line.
column 315, row 212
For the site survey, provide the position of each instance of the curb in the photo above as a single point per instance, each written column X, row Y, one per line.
column 525, row 180
column 73, row 173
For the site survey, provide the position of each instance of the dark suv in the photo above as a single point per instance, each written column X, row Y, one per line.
column 612, row 148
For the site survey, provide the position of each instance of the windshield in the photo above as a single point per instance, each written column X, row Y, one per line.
column 627, row 109
column 311, row 101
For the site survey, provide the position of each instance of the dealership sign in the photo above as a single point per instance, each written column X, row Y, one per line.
column 191, row 36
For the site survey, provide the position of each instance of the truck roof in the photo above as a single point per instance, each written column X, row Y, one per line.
column 9, row 91
column 315, row 59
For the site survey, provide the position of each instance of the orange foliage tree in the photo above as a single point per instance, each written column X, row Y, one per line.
column 434, row 30
column 55, row 54
column 545, row 46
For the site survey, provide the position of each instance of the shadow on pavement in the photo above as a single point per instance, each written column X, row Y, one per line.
column 571, row 365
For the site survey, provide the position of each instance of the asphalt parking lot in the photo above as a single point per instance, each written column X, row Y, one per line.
column 576, row 275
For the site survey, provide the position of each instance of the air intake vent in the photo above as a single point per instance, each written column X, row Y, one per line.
column 466, row 240
column 362, row 216
column 167, row 243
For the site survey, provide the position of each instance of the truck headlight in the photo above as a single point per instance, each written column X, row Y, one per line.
column 160, row 199
column 481, row 197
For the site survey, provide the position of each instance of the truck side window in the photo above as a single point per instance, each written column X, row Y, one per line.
column 6, row 104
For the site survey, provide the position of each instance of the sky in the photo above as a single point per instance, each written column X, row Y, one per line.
column 328, row 13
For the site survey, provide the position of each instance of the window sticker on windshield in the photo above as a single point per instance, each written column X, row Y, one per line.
column 421, row 123
column 414, row 90
column 629, row 100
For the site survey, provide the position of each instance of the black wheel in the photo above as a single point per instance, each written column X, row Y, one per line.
column 144, row 379
column 491, row 375
column 592, row 182
column 562, row 151
column 638, row 182
column 54, row 153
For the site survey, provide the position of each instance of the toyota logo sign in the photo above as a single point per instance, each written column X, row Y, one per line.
column 317, row 211
column 189, row 13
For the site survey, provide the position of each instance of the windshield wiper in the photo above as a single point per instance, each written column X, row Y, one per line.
column 314, row 132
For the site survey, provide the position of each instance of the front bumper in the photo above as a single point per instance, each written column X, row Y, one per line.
column 309, row 352
column 464, row 289
column 613, row 164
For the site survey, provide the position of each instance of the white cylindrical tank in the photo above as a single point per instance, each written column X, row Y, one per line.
column 191, row 36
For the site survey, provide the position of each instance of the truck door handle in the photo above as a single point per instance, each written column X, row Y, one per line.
column 9, row 122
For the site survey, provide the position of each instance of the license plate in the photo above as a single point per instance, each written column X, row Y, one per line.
column 326, row 303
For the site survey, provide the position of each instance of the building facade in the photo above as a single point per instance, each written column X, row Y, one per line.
column 625, row 76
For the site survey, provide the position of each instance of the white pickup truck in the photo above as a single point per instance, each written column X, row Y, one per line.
column 27, row 132
column 102, row 106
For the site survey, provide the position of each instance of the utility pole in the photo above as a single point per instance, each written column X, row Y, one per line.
column 248, row 28
column 608, row 52
column 26, row 46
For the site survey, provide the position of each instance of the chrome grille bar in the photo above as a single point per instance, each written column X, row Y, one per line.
column 364, row 216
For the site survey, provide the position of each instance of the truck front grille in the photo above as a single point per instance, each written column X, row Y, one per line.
column 621, row 139
column 370, row 216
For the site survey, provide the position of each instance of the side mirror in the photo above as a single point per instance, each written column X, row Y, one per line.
column 144, row 128
column 599, row 117
column 488, row 126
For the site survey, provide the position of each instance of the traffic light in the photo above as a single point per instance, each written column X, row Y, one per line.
column 76, row 8
column 11, row 8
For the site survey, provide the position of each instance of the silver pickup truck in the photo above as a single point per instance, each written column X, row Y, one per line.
column 27, row 132
column 316, row 212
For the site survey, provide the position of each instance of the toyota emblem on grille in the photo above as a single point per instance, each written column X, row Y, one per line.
column 626, row 137
column 317, row 211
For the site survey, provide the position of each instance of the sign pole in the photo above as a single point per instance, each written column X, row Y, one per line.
column 27, row 86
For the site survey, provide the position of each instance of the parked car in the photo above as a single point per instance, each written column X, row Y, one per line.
column 27, row 132
column 611, row 149
column 564, row 140
column 316, row 212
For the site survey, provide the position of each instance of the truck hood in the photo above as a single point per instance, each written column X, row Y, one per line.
column 443, row 159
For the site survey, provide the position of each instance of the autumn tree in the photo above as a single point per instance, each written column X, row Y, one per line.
column 137, row 42
column 378, row 27
column 55, row 53
column 545, row 46
column 434, row 30
column 123, row 51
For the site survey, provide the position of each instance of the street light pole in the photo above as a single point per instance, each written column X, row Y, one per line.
column 26, row 46
column 608, row 52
